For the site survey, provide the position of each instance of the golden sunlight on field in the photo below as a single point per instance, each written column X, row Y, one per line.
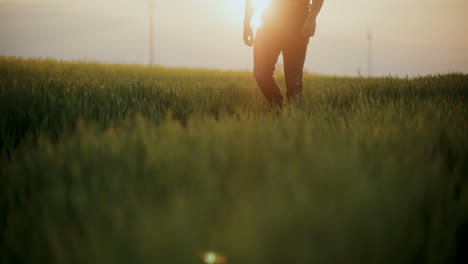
column 415, row 37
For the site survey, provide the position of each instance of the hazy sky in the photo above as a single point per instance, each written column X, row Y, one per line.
column 410, row 36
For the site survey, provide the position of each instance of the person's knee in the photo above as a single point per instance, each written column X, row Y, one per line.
column 294, row 83
column 258, row 76
column 295, row 86
column 262, row 77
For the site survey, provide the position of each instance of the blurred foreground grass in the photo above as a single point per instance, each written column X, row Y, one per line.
column 133, row 164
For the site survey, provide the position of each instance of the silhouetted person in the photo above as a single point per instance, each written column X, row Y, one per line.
column 286, row 28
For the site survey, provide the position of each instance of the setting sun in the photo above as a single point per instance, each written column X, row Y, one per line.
column 238, row 6
column 259, row 7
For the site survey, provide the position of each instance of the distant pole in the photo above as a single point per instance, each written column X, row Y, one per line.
column 369, row 53
column 151, row 33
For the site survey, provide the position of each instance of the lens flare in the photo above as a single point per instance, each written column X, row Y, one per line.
column 211, row 257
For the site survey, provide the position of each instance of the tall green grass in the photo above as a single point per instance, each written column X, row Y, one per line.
column 132, row 164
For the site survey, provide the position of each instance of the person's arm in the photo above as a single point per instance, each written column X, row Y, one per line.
column 310, row 24
column 248, row 32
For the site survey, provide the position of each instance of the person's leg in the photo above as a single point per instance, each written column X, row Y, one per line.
column 294, row 54
column 266, row 52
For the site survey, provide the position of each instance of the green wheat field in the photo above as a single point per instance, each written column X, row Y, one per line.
column 136, row 164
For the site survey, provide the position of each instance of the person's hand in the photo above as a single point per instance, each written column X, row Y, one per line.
column 248, row 35
column 308, row 29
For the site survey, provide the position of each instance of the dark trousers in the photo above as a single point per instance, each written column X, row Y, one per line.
column 271, row 40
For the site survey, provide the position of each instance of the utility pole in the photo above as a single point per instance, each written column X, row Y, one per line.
column 151, row 32
column 369, row 53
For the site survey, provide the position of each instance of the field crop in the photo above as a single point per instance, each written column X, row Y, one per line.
column 134, row 164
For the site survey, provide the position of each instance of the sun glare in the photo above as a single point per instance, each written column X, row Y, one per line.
column 236, row 10
column 259, row 6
